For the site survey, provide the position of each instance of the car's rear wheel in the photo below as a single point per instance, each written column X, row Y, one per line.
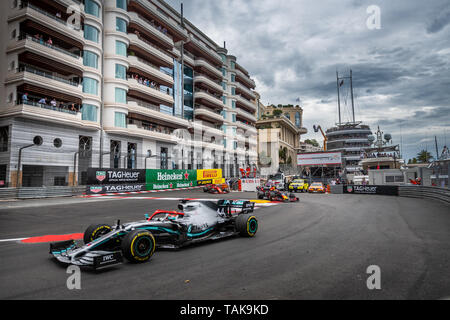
column 138, row 246
column 246, row 225
column 95, row 231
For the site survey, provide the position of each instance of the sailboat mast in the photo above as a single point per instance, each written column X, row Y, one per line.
column 339, row 96
column 351, row 90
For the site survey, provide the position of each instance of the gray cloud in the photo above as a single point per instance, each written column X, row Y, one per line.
column 293, row 48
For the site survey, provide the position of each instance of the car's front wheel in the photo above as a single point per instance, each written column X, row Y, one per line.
column 138, row 246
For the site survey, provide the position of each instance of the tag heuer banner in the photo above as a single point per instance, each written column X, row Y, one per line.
column 170, row 179
column 114, row 188
column 114, row 176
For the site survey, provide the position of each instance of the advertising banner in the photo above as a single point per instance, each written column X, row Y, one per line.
column 319, row 159
column 170, row 179
column 249, row 184
column 208, row 174
column 114, row 188
column 382, row 190
column 114, row 176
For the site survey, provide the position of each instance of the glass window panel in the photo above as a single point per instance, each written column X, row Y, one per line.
column 91, row 33
column 89, row 112
column 121, row 48
column 90, row 86
column 120, row 95
column 121, row 25
column 121, row 4
column 120, row 120
column 91, row 7
column 90, row 59
column 121, row 72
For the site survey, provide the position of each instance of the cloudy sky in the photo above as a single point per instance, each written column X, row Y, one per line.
column 292, row 48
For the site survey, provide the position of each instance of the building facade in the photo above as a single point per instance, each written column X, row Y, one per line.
column 117, row 84
column 279, row 134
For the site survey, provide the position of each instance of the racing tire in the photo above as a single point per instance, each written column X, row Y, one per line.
column 138, row 246
column 95, row 231
column 246, row 225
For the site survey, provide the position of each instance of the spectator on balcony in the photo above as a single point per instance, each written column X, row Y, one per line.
column 43, row 101
column 25, row 97
column 73, row 108
column 53, row 102
column 58, row 15
column 50, row 41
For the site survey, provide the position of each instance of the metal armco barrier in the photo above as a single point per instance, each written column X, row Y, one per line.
column 40, row 192
column 433, row 193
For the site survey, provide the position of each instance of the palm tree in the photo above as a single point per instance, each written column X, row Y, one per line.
column 424, row 156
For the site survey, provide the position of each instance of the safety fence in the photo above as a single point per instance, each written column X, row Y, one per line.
column 40, row 192
column 421, row 192
column 433, row 193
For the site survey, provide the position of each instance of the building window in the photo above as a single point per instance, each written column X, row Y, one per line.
column 233, row 91
column 224, row 72
column 121, row 25
column 90, row 59
column 91, row 33
column 89, row 112
column 233, row 117
column 233, row 104
column 114, row 154
column 90, row 86
column 164, row 158
column 91, row 7
column 224, row 85
column 121, row 72
column 297, row 119
column 4, row 135
column 224, row 100
column 120, row 95
column 120, row 120
column 132, row 155
column 233, row 78
column 232, row 65
column 121, row 4
column 121, row 48
column 224, row 114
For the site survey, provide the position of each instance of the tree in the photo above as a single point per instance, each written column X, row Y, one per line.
column 283, row 153
column 312, row 142
column 424, row 156
column 277, row 112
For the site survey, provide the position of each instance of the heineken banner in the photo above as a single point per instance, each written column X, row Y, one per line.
column 170, row 179
column 115, row 176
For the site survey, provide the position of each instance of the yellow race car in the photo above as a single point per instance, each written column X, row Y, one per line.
column 298, row 185
column 316, row 187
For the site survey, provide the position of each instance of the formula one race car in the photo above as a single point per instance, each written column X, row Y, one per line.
column 273, row 194
column 196, row 221
column 217, row 188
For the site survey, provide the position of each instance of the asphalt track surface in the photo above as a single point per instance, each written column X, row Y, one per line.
column 319, row 248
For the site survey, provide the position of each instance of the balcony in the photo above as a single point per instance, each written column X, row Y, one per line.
column 46, row 80
column 152, row 70
column 141, row 132
column 50, row 21
column 137, row 43
column 246, row 127
column 157, row 95
column 240, row 100
column 207, row 52
column 208, row 82
column 204, row 97
column 149, row 8
column 29, row 43
column 249, row 94
column 244, row 79
column 246, row 115
column 139, row 22
column 37, row 111
column 153, row 111
column 207, row 67
column 208, row 114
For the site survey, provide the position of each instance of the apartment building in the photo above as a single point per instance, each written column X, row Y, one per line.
column 279, row 133
column 117, row 84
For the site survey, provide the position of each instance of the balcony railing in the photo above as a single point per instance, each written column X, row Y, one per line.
column 31, row 69
column 60, row 108
column 55, row 18
column 41, row 42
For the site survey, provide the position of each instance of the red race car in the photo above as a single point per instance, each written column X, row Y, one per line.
column 217, row 188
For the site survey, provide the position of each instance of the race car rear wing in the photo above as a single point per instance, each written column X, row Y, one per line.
column 227, row 206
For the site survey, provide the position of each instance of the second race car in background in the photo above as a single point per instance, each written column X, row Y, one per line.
column 316, row 187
